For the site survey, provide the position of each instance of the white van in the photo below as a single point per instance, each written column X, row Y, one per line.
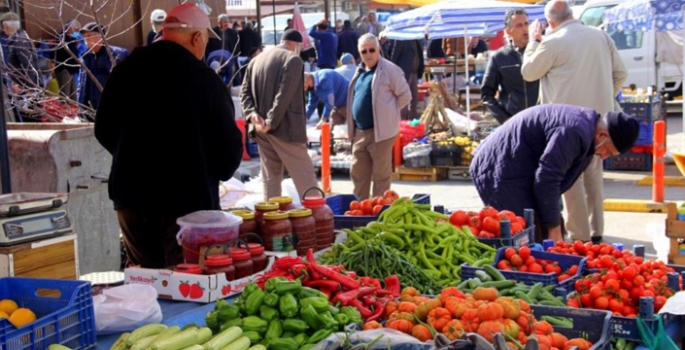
column 269, row 30
column 638, row 51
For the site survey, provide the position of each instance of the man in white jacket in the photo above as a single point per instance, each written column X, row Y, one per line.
column 576, row 65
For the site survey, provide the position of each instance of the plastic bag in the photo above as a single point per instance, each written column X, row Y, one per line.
column 230, row 192
column 658, row 341
column 389, row 339
column 416, row 155
column 125, row 308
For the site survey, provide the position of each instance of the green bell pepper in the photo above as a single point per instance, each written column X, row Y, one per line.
column 327, row 321
column 295, row 325
column 307, row 347
column 254, row 301
column 212, row 319
column 283, row 344
column 228, row 312
column 236, row 322
column 309, row 315
column 275, row 329
column 249, row 289
column 342, row 319
column 292, row 287
column 220, row 303
column 287, row 305
column 267, row 313
column 288, row 335
column 253, row 336
column 319, row 304
column 301, row 339
column 319, row 336
column 271, row 299
column 306, row 292
column 353, row 315
column 254, row 323
column 271, row 283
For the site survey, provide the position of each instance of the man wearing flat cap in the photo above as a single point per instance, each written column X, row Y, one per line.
column 538, row 154
column 159, row 175
column 272, row 98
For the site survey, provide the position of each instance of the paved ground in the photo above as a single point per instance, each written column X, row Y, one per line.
column 629, row 228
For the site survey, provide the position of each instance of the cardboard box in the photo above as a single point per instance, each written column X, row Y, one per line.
column 197, row 288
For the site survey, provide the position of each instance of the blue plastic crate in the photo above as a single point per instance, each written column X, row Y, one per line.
column 643, row 110
column 565, row 262
column 646, row 135
column 523, row 238
column 253, row 149
column 591, row 325
column 629, row 161
column 340, row 203
column 64, row 311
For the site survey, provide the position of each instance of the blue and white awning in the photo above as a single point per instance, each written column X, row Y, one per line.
column 662, row 15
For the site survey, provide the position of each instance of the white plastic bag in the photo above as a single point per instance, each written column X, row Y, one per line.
column 125, row 308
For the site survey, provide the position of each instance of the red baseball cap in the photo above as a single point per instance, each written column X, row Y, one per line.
column 189, row 15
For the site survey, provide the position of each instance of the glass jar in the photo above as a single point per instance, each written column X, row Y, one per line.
column 220, row 264
column 194, row 269
column 259, row 259
column 304, row 229
column 322, row 213
column 285, row 203
column 277, row 232
column 260, row 209
column 242, row 260
column 249, row 224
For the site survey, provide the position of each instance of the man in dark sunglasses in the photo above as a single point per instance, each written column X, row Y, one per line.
column 377, row 94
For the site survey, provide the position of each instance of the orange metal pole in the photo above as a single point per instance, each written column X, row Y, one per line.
column 658, row 168
column 241, row 126
column 326, row 157
column 397, row 152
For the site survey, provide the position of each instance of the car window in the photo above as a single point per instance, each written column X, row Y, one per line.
column 594, row 16
column 627, row 39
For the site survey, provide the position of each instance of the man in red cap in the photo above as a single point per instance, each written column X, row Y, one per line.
column 162, row 173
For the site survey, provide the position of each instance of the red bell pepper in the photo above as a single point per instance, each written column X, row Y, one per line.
column 392, row 284
column 332, row 285
column 345, row 281
column 363, row 310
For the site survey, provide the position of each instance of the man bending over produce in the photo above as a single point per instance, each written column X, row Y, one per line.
column 539, row 153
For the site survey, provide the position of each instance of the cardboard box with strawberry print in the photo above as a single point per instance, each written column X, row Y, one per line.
column 198, row 288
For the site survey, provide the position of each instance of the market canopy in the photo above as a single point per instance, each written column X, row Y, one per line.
column 451, row 18
column 662, row 15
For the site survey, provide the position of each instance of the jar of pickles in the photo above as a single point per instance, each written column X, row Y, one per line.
column 249, row 224
column 285, row 203
column 221, row 263
column 277, row 232
column 259, row 259
column 242, row 259
column 260, row 209
column 322, row 213
column 304, row 229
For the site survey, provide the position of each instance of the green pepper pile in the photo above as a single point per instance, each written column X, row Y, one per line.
column 410, row 237
column 283, row 316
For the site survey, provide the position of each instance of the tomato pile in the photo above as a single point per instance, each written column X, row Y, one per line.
column 372, row 206
column 486, row 223
column 520, row 259
column 622, row 280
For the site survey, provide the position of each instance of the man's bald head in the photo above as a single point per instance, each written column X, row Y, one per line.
column 557, row 12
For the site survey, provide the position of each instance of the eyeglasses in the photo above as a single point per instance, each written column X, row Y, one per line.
column 363, row 52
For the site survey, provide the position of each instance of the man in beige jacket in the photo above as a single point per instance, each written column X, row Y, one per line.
column 377, row 94
column 576, row 65
column 272, row 98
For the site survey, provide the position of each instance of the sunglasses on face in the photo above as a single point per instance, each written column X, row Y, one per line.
column 364, row 52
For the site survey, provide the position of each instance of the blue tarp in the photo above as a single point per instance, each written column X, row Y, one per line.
column 662, row 15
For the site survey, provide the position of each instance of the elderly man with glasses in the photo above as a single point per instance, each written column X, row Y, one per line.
column 376, row 96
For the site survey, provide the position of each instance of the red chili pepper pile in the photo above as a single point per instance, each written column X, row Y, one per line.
column 341, row 286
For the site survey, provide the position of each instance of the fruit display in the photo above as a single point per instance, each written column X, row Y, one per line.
column 520, row 259
column 17, row 316
column 454, row 313
column 372, row 206
column 486, row 222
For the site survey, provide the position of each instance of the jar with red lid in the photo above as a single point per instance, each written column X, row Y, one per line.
column 260, row 209
column 194, row 269
column 322, row 213
column 277, row 232
column 259, row 259
column 285, row 203
column 221, row 263
column 304, row 229
column 249, row 224
column 242, row 260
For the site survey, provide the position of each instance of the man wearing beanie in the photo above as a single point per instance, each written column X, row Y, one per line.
column 272, row 98
column 349, row 66
column 538, row 154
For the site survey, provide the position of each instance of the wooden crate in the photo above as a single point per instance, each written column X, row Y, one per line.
column 675, row 231
column 431, row 174
column 55, row 257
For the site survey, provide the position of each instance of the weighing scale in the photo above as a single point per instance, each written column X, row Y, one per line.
column 31, row 216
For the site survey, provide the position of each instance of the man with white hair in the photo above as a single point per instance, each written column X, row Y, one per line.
column 20, row 54
column 157, row 21
column 375, row 99
column 576, row 65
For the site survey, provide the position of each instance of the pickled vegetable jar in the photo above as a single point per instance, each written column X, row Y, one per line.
column 285, row 203
column 249, row 224
column 304, row 229
column 260, row 209
column 194, row 269
column 277, row 232
column 259, row 259
column 242, row 260
column 220, row 264
column 204, row 229
column 322, row 213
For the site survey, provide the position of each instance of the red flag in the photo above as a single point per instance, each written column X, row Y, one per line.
column 298, row 24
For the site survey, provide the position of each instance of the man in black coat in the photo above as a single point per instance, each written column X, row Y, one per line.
column 408, row 55
column 347, row 41
column 159, row 175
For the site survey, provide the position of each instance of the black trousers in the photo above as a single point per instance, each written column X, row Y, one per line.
column 150, row 240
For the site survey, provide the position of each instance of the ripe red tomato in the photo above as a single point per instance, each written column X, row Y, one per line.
column 516, row 260
column 367, row 207
column 459, row 218
column 355, row 205
column 524, row 252
column 377, row 209
column 390, row 194
column 491, row 224
column 509, row 252
column 507, row 214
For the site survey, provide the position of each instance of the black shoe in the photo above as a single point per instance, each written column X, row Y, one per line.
column 597, row 240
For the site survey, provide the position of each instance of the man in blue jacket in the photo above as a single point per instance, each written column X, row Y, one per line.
column 98, row 62
column 328, row 45
column 538, row 154
column 329, row 87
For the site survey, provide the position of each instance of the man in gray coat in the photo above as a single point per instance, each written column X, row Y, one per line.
column 272, row 98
